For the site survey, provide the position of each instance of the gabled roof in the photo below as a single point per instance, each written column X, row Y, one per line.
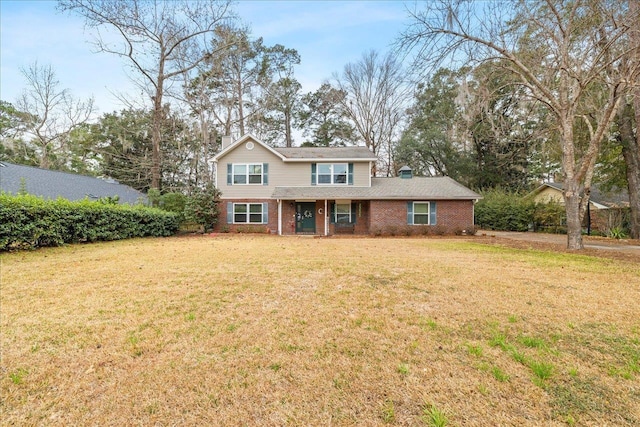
column 431, row 188
column 327, row 153
column 246, row 138
column 51, row 184
column 305, row 154
column 602, row 200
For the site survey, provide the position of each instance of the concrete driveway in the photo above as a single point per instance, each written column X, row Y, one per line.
column 590, row 242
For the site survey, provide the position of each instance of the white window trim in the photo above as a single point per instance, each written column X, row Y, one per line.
column 428, row 214
column 335, row 212
column 248, row 213
column 332, row 174
column 247, row 174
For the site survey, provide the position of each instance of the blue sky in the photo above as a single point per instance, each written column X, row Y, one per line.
column 327, row 34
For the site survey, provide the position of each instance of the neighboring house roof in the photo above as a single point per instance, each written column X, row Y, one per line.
column 432, row 188
column 599, row 198
column 51, row 184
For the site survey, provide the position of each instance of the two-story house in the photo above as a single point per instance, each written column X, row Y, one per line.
column 329, row 190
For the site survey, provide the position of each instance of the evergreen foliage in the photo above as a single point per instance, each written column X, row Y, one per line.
column 512, row 211
column 503, row 210
column 29, row 222
column 202, row 207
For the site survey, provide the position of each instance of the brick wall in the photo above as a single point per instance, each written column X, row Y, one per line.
column 452, row 215
column 272, row 226
column 371, row 217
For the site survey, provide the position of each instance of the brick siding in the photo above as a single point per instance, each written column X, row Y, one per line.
column 372, row 217
column 452, row 216
column 271, row 227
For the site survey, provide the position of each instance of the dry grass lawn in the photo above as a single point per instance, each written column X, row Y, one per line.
column 274, row 331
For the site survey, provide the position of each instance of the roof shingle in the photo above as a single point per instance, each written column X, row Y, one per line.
column 420, row 188
column 51, row 184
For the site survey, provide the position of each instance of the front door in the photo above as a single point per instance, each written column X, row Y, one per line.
column 305, row 217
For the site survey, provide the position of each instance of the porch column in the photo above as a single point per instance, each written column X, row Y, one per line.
column 325, row 216
column 279, row 217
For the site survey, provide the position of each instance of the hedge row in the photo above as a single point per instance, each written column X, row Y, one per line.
column 500, row 210
column 28, row 222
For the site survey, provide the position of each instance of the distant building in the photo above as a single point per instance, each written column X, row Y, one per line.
column 605, row 211
column 51, row 184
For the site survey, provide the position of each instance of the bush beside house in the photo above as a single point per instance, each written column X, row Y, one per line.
column 505, row 211
column 29, row 222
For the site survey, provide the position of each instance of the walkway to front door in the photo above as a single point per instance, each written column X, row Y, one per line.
column 305, row 217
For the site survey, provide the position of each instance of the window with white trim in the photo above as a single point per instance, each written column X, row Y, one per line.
column 421, row 213
column 332, row 173
column 342, row 213
column 248, row 213
column 249, row 173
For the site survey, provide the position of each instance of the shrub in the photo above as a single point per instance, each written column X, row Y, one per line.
column 29, row 222
column 501, row 210
column 550, row 217
column 174, row 202
column 202, row 207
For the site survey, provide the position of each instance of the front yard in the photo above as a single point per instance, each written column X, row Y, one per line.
column 264, row 330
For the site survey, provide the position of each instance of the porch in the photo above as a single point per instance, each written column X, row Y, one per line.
column 323, row 217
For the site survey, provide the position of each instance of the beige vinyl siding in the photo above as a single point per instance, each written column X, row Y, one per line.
column 241, row 154
column 281, row 174
column 549, row 194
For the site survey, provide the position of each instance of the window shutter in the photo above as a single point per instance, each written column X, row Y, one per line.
column 229, row 213
column 313, row 174
column 265, row 213
column 229, row 173
column 410, row 213
column 333, row 213
column 353, row 213
column 350, row 175
column 432, row 213
column 265, row 174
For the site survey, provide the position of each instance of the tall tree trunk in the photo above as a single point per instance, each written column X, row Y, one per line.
column 631, row 142
column 631, row 154
column 571, row 186
column 240, row 109
column 574, row 217
column 156, row 138
column 44, row 159
column 287, row 128
column 156, row 132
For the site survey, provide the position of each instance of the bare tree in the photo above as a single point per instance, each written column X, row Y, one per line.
column 568, row 55
column 52, row 113
column 375, row 100
column 160, row 40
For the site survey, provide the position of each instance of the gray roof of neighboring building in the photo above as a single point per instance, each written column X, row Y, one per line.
column 52, row 184
column 613, row 198
column 321, row 153
column 417, row 188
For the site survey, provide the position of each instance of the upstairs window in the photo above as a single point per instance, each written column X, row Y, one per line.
column 332, row 174
column 247, row 173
